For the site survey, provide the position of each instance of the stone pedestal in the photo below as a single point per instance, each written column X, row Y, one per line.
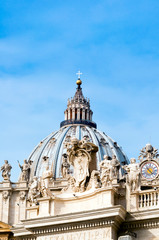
column 22, row 184
column 7, row 184
column 44, row 206
column 32, row 212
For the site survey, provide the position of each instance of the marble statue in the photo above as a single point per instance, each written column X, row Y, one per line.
column 133, row 175
column 105, row 167
column 25, row 168
column 44, row 183
column 33, row 192
column 6, row 170
column 115, row 165
column 65, row 166
column 94, row 181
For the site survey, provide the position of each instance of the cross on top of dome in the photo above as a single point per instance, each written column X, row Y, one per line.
column 79, row 82
column 79, row 73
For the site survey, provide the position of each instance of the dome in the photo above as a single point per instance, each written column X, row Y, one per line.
column 50, row 150
column 77, row 124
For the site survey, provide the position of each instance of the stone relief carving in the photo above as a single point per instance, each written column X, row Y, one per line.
column 6, row 170
column 25, row 171
column 80, row 161
column 79, row 156
column 133, row 175
column 70, row 185
column 33, row 192
column 6, row 195
column 148, row 152
column 22, row 195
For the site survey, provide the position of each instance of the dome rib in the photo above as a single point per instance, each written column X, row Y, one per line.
column 53, row 148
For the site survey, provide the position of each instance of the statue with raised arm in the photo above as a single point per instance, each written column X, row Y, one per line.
column 25, row 170
column 6, row 170
column 133, row 174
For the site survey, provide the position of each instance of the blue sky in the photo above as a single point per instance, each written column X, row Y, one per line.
column 42, row 46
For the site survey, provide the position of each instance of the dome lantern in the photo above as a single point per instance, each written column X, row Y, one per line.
column 78, row 108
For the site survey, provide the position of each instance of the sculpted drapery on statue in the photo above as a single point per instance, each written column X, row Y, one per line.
column 25, row 170
column 65, row 166
column 133, row 175
column 6, row 170
column 105, row 166
column 33, row 192
column 44, row 183
column 109, row 170
column 80, row 154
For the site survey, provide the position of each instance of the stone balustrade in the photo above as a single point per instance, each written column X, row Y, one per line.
column 148, row 199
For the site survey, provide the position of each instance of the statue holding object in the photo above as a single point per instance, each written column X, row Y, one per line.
column 25, row 170
column 6, row 170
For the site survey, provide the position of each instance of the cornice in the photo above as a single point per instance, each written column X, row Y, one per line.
column 143, row 215
column 141, row 224
column 69, row 222
column 76, row 217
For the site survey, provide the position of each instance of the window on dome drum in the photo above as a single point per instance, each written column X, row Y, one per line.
column 75, row 113
column 80, row 114
column 86, row 114
column 71, row 114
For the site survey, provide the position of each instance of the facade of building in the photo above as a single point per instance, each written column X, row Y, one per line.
column 77, row 184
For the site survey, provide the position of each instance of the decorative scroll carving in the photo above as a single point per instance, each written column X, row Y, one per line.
column 25, row 168
column 6, row 195
column 6, row 170
column 133, row 175
column 22, row 195
column 148, row 153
